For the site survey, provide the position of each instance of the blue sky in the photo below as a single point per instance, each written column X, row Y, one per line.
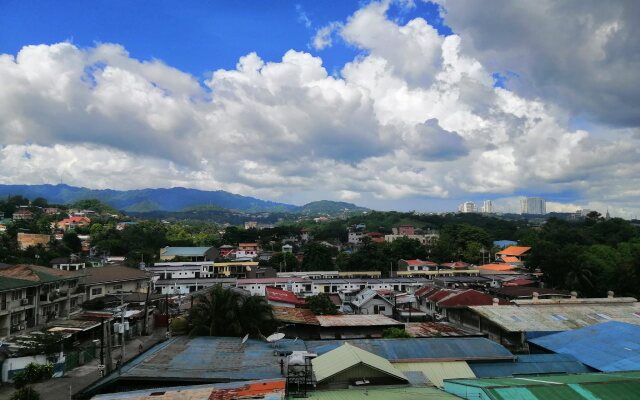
column 193, row 36
column 394, row 104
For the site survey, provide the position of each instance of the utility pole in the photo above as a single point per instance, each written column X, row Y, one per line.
column 123, row 332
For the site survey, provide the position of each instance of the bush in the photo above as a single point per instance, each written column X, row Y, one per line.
column 33, row 373
column 395, row 333
column 26, row 393
column 179, row 326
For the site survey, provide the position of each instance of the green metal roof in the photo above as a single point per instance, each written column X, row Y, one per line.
column 404, row 393
column 12, row 284
column 595, row 386
column 347, row 356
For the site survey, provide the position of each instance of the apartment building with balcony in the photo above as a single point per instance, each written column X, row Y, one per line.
column 32, row 295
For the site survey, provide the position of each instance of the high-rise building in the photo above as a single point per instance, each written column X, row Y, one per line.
column 487, row 207
column 467, row 207
column 533, row 205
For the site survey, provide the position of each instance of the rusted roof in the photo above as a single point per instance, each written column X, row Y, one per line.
column 419, row 262
column 514, row 251
column 434, row 329
column 282, row 296
column 112, row 273
column 33, row 273
column 456, row 265
column 519, row 282
column 356, row 320
column 295, row 315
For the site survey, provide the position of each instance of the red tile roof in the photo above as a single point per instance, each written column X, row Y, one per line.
column 468, row 297
column 497, row 267
column 440, row 294
column 514, row 251
column 511, row 259
column 282, row 296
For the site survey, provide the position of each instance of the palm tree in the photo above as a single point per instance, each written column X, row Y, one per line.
column 225, row 312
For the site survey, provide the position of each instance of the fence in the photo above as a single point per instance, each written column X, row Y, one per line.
column 80, row 356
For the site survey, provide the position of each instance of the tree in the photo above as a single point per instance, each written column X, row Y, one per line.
column 225, row 312
column 317, row 257
column 284, row 262
column 72, row 242
column 321, row 304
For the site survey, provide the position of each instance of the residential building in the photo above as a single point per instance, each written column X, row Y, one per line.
column 287, row 248
column 32, row 295
column 73, row 223
column 120, row 226
column 514, row 255
column 426, row 239
column 416, row 265
column 355, row 237
column 368, row 301
column 407, row 230
column 467, row 207
column 112, row 279
column 67, row 263
column 247, row 251
column 487, row 207
column 250, row 224
column 189, row 253
column 26, row 240
column 533, row 205
column 21, row 215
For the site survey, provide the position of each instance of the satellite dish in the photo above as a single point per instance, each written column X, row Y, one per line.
column 275, row 337
column 244, row 339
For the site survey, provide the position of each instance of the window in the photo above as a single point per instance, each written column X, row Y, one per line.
column 16, row 295
column 117, row 287
column 96, row 291
column 599, row 316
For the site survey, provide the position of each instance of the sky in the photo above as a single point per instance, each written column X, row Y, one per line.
column 404, row 105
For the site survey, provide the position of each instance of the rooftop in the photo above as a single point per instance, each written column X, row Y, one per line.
column 184, row 251
column 295, row 315
column 558, row 317
column 608, row 347
column 282, row 296
column 112, row 273
column 262, row 389
column 382, row 393
column 435, row 329
column 422, row 349
column 25, row 275
column 356, row 320
column 514, row 251
column 531, row 364
column 347, row 356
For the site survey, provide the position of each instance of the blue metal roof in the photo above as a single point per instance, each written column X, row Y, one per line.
column 532, row 365
column 468, row 348
column 185, row 251
column 609, row 346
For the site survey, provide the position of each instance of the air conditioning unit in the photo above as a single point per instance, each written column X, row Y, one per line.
column 24, row 302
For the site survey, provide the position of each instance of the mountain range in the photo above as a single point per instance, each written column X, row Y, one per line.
column 170, row 199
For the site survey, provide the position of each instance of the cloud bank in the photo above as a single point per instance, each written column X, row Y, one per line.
column 414, row 115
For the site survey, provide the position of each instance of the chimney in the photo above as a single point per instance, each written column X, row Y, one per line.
column 535, row 296
column 610, row 294
column 496, row 301
column 574, row 295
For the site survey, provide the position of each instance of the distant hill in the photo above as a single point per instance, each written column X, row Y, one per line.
column 329, row 207
column 170, row 199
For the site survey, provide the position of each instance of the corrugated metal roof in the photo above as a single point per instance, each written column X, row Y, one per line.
column 530, row 365
column 436, row 329
column 436, row 372
column 608, row 346
column 617, row 386
column 295, row 315
column 558, row 317
column 184, row 251
column 263, row 389
column 365, row 296
column 422, row 349
column 347, row 356
column 210, row 358
column 382, row 393
column 356, row 320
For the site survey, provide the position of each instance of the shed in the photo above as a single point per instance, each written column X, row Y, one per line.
column 348, row 365
column 608, row 347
